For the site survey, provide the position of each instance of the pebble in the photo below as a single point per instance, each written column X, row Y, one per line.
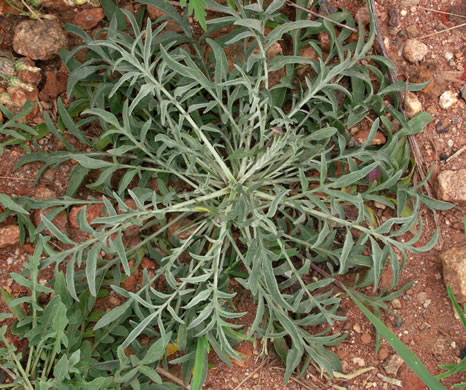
column 361, row 136
column 363, row 15
column 447, row 99
column 398, row 322
column 383, row 353
column 357, row 328
column 452, row 186
column 414, row 51
column 463, row 91
column 88, row 18
column 427, row 303
column 366, row 338
column 448, row 55
column 92, row 212
column 55, row 85
column 393, row 364
column 404, row 12
column 413, row 105
column 396, row 303
column 450, row 143
column 113, row 301
column 412, row 31
column 421, row 297
column 9, row 235
column 359, row 361
column 44, row 193
column 39, row 39
column 393, row 20
column 454, row 271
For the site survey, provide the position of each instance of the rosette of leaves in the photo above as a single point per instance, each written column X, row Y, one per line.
column 259, row 181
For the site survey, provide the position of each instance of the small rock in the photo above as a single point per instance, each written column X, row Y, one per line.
column 447, row 99
column 325, row 8
column 463, row 91
column 55, row 84
column 396, row 303
column 454, row 271
column 20, row 96
column 9, row 235
column 450, row 143
column 452, row 186
column 415, row 51
column 413, row 105
column 92, row 212
column 427, row 303
column 325, row 42
column 403, row 12
column 412, row 31
column 393, row 364
column 363, row 15
column 440, row 346
column 421, row 297
column 39, row 40
column 359, row 361
column 113, row 301
column 131, row 282
column 393, row 17
column 30, row 75
column 60, row 220
column 357, row 328
column 448, row 55
column 342, row 354
column 361, row 136
column 398, row 322
column 44, row 193
column 88, row 18
column 383, row 353
column 146, row 263
column 366, row 338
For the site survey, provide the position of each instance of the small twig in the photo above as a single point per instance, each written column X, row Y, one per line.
column 33, row 12
column 453, row 156
column 172, row 377
column 442, row 31
column 321, row 16
column 250, row 375
column 442, row 12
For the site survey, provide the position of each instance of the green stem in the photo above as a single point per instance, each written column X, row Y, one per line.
column 18, row 364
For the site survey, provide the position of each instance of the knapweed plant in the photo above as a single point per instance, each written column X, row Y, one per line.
column 235, row 164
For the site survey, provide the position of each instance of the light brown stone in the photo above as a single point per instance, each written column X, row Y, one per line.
column 413, row 105
column 393, row 364
column 39, row 39
column 60, row 220
column 454, row 271
column 452, row 186
column 415, row 51
column 9, row 235
column 361, row 136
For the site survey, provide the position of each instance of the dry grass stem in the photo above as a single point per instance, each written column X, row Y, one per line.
column 442, row 31
column 320, row 16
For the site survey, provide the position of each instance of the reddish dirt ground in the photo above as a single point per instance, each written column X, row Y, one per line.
column 428, row 326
